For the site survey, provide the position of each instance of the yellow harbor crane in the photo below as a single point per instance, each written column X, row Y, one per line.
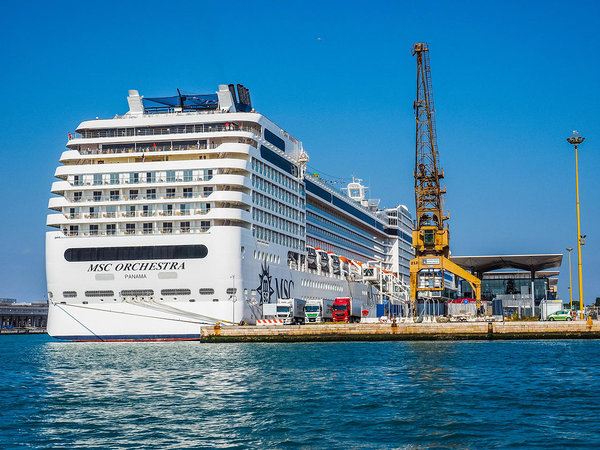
column 432, row 274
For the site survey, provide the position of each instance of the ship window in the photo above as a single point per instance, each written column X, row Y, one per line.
column 150, row 194
column 97, row 196
column 187, row 192
column 114, row 178
column 130, row 228
column 77, row 180
column 97, row 178
column 137, row 292
column 184, row 227
column 187, row 175
column 275, row 140
column 170, row 193
column 135, row 253
column 133, row 194
column 93, row 230
column 111, row 228
column 167, row 227
column 170, row 175
column 150, row 177
column 77, row 196
column 114, row 195
column 147, row 228
column 69, row 294
column 175, row 292
column 207, row 291
column 134, row 177
column 99, row 293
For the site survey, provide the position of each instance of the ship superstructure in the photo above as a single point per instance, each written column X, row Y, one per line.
column 197, row 209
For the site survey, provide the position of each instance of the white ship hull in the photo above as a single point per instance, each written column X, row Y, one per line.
column 225, row 269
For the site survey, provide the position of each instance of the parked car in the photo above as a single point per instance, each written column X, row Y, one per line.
column 560, row 315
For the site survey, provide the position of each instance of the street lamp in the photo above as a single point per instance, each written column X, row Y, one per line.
column 570, row 284
column 575, row 140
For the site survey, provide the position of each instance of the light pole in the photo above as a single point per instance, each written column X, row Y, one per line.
column 577, row 139
column 570, row 284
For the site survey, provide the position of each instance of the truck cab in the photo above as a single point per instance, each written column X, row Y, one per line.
column 291, row 310
column 341, row 310
column 318, row 310
column 347, row 310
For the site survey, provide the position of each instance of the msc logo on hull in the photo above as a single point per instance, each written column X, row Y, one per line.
column 283, row 287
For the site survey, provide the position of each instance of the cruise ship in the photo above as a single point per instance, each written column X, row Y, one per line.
column 196, row 209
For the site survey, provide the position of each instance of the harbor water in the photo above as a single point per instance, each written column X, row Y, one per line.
column 322, row 395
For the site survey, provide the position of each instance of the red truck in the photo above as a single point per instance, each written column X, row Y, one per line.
column 347, row 310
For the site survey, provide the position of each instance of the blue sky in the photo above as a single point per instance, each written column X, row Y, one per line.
column 511, row 80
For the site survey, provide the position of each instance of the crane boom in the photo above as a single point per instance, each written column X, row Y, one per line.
column 428, row 191
column 431, row 237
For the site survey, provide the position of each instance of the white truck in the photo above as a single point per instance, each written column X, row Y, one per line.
column 291, row 310
column 319, row 311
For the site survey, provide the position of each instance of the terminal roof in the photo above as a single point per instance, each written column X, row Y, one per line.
column 512, row 274
column 481, row 264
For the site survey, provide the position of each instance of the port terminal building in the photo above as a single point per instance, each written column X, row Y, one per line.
column 22, row 316
column 515, row 283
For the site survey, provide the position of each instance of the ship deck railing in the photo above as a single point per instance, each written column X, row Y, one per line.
column 183, row 230
column 163, row 213
column 104, row 198
column 162, row 131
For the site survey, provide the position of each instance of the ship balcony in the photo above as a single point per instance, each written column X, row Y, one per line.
column 55, row 220
column 69, row 155
column 233, row 214
column 137, row 148
column 232, row 180
column 218, row 165
column 231, row 197
column 57, row 203
column 229, row 210
column 167, row 132
column 140, row 199
column 144, row 232
column 59, row 187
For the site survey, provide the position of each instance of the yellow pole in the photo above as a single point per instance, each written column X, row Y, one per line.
column 578, row 236
column 570, row 282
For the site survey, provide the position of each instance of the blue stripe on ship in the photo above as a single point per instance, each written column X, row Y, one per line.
column 129, row 338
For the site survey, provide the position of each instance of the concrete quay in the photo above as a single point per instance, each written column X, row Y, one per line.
column 330, row 332
column 23, row 331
